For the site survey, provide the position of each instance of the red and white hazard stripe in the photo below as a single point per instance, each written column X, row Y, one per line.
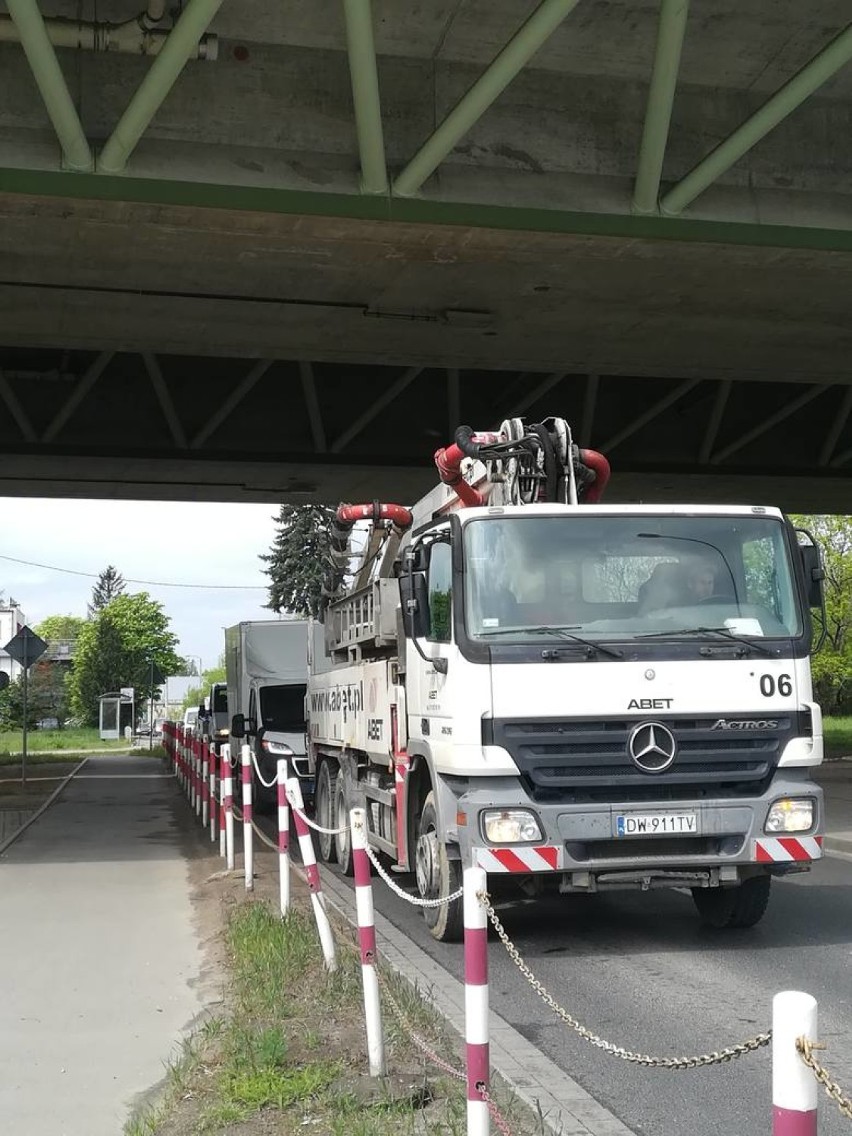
column 283, row 839
column 367, row 943
column 546, row 858
column 476, row 1002
column 309, row 863
column 248, row 832
column 783, row 849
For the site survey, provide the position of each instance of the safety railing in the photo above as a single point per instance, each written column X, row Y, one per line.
column 793, row 1037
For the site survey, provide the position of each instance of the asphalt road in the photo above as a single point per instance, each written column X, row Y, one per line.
column 640, row 970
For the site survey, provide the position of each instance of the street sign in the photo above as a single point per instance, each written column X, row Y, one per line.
column 127, row 692
column 26, row 647
column 157, row 676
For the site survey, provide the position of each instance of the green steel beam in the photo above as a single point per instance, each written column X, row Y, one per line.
column 499, row 74
column 774, row 110
column 181, row 44
column 51, row 84
column 418, row 211
column 365, row 95
column 658, row 113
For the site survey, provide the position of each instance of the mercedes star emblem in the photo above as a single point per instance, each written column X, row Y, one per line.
column 652, row 747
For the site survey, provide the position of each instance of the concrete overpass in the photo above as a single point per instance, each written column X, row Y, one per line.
column 277, row 249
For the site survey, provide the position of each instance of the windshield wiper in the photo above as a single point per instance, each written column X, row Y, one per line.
column 725, row 632
column 561, row 632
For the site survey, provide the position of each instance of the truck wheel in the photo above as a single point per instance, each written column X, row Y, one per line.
column 741, row 906
column 324, row 809
column 340, row 819
column 437, row 875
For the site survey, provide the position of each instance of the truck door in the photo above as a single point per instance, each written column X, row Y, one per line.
column 429, row 705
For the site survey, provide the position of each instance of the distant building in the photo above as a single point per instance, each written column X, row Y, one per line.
column 12, row 619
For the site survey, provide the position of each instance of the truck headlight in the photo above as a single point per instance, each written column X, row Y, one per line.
column 510, row 826
column 791, row 814
column 278, row 748
column 223, row 733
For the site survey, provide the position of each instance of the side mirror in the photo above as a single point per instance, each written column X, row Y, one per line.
column 238, row 726
column 414, row 600
column 814, row 573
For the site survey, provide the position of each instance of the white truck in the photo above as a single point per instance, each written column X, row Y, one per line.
column 266, row 667
column 566, row 693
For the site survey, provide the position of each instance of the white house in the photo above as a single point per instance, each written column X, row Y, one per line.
column 12, row 619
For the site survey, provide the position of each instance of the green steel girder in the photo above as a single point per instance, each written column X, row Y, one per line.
column 47, row 73
column 791, row 96
column 365, row 95
column 492, row 82
column 658, row 114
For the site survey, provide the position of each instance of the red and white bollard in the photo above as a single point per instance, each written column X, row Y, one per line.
column 283, row 840
column 224, row 764
column 248, row 832
column 367, row 943
column 476, row 1002
column 794, row 1087
column 214, row 828
column 229, row 811
column 196, row 776
column 205, row 781
column 309, row 863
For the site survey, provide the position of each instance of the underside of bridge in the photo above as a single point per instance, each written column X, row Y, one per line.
column 279, row 249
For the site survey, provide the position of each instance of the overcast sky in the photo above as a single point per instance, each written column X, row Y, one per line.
column 206, row 544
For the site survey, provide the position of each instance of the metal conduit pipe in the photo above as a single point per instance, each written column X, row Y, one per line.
column 135, row 37
column 180, row 46
column 51, row 83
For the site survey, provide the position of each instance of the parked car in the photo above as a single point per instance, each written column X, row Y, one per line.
column 190, row 717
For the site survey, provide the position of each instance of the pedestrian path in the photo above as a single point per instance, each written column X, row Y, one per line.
column 99, row 959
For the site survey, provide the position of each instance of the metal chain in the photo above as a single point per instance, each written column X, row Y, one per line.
column 805, row 1049
column 266, row 784
column 317, row 827
column 415, row 900
column 717, row 1057
column 496, row 1115
column 415, row 1037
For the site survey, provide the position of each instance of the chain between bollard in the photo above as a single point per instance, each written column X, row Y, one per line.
column 717, row 1057
column 496, row 1115
column 414, row 900
column 318, row 827
column 266, row 784
column 805, row 1049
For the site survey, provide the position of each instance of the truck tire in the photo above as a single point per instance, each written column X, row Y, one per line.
column 343, row 841
column 741, row 906
column 324, row 809
column 437, row 875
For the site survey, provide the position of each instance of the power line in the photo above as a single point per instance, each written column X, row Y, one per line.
column 149, row 583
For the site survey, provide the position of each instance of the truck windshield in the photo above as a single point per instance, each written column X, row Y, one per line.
column 626, row 577
column 282, row 708
column 220, row 700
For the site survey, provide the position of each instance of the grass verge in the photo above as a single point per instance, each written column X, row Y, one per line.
column 289, row 1057
column 838, row 736
column 49, row 741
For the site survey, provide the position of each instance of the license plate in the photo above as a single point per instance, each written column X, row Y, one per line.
column 656, row 824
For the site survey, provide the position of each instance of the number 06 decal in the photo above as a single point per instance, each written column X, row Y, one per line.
column 768, row 685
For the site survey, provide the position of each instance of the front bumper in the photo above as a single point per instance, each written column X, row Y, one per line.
column 581, row 842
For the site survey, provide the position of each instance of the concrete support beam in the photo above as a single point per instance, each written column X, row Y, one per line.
column 768, row 423
column 794, row 92
column 165, row 400
column 77, row 395
column 532, row 397
column 181, row 45
column 453, row 402
column 231, row 403
column 47, row 73
column 658, row 113
column 501, row 71
column 395, row 389
column 309, row 389
column 365, row 95
column 589, row 405
column 13, row 405
column 650, row 414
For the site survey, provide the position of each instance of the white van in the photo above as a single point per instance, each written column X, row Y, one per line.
column 190, row 717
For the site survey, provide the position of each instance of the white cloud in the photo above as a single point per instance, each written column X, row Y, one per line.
column 177, row 542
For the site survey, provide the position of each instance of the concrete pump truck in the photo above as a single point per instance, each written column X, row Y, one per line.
column 572, row 695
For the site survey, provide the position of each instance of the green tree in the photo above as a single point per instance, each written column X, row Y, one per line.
column 60, row 627
column 116, row 648
column 196, row 694
column 298, row 559
column 109, row 584
column 832, row 665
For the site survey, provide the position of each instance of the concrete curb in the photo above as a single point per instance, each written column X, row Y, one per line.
column 20, row 831
column 566, row 1108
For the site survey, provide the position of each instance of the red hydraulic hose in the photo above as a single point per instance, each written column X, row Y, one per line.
column 375, row 511
column 598, row 464
column 448, row 460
